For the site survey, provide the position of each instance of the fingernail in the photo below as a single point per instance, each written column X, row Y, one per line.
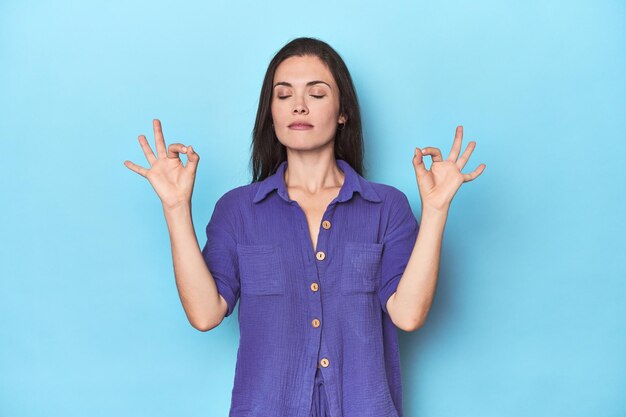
column 423, row 150
column 184, row 149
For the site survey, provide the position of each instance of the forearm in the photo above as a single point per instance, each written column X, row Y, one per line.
column 416, row 289
column 196, row 286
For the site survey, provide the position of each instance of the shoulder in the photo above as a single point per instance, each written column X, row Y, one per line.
column 389, row 194
column 238, row 196
column 234, row 195
column 237, row 202
column 396, row 208
column 228, row 206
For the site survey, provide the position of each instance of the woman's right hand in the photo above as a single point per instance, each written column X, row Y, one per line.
column 172, row 181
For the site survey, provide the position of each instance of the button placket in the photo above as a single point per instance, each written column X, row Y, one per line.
column 314, row 285
column 320, row 256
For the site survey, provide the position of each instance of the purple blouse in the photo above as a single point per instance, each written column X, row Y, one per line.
column 302, row 309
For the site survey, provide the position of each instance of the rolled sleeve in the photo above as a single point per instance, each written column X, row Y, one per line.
column 398, row 244
column 220, row 254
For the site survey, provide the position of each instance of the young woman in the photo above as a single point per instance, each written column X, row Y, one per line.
column 326, row 264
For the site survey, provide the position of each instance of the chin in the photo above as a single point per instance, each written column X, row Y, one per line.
column 303, row 141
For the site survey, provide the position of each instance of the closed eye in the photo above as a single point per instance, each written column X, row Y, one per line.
column 284, row 97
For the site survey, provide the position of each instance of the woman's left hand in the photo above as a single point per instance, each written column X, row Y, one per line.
column 438, row 185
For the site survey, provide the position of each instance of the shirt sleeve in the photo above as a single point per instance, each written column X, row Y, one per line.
column 398, row 243
column 220, row 254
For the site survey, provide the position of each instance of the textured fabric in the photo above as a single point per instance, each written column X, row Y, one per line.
column 319, row 406
column 259, row 251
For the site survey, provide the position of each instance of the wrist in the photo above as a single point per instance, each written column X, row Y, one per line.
column 182, row 208
column 178, row 218
column 434, row 209
column 435, row 213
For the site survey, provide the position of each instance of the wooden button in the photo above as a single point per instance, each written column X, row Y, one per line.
column 326, row 224
column 325, row 362
column 314, row 286
column 315, row 323
column 320, row 256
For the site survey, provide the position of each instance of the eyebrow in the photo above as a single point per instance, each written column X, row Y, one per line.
column 307, row 84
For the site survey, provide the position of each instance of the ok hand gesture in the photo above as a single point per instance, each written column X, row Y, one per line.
column 438, row 185
column 172, row 181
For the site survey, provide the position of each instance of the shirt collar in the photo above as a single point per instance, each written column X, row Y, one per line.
column 352, row 182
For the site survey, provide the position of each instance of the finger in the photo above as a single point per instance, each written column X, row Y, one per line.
column 434, row 153
column 147, row 150
column 175, row 149
column 468, row 151
column 474, row 174
column 158, row 138
column 133, row 167
column 192, row 158
column 456, row 145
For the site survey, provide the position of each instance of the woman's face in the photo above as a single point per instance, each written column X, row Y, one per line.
column 305, row 91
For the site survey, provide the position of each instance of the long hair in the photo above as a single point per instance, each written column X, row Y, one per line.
column 267, row 152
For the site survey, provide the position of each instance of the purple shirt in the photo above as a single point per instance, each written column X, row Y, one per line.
column 300, row 308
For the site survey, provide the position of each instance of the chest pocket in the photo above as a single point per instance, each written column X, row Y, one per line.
column 361, row 267
column 261, row 269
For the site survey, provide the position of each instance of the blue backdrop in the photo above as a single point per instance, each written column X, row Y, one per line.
column 529, row 318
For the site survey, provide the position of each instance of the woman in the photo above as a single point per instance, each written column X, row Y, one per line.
column 326, row 263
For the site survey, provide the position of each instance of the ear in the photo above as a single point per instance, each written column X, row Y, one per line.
column 342, row 119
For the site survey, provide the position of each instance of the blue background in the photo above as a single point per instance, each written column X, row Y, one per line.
column 529, row 318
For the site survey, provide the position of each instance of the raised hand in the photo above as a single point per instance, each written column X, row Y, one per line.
column 172, row 181
column 438, row 185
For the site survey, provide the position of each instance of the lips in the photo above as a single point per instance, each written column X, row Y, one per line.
column 300, row 126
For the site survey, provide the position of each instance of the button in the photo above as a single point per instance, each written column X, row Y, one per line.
column 314, row 286
column 325, row 362
column 320, row 256
column 315, row 323
column 326, row 224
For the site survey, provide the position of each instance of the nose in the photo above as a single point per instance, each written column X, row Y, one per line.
column 300, row 107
